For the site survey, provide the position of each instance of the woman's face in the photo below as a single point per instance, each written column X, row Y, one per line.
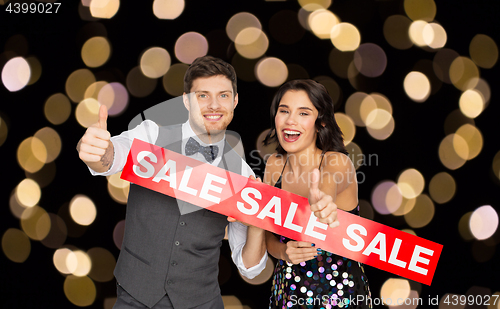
column 295, row 121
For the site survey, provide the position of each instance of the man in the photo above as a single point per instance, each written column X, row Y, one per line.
column 170, row 251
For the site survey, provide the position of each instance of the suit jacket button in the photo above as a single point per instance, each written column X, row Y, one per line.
column 173, row 264
column 177, row 243
column 182, row 223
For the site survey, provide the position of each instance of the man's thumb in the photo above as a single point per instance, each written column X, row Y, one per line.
column 103, row 117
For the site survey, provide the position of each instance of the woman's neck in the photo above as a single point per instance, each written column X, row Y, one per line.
column 304, row 160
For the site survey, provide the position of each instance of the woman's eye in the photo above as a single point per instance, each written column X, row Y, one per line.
column 304, row 114
column 283, row 111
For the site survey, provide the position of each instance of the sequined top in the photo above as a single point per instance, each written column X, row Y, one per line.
column 327, row 281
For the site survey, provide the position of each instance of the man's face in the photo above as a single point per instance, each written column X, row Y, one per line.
column 211, row 104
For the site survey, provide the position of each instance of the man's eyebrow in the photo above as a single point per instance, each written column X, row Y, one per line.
column 206, row 91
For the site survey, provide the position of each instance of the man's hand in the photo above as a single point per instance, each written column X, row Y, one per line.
column 322, row 204
column 300, row 251
column 95, row 148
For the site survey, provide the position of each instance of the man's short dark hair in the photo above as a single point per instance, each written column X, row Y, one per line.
column 208, row 66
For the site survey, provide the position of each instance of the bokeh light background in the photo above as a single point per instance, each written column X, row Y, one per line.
column 414, row 83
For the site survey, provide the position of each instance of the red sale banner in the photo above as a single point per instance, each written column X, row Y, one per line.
column 280, row 212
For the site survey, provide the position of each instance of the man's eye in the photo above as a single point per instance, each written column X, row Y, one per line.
column 224, row 95
column 202, row 96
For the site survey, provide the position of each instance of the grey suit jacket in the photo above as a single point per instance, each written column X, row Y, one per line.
column 166, row 252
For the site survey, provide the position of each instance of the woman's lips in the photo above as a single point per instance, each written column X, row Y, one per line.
column 290, row 136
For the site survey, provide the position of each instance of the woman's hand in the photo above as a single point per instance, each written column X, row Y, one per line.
column 300, row 251
column 322, row 204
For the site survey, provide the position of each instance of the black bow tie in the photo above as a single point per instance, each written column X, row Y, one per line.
column 209, row 152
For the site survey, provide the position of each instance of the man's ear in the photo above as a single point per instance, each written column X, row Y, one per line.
column 185, row 100
column 235, row 101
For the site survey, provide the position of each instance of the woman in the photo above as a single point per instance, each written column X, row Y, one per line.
column 309, row 139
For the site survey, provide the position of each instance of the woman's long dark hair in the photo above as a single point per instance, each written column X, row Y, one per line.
column 329, row 137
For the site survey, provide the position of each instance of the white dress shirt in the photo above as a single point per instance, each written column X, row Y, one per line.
column 148, row 131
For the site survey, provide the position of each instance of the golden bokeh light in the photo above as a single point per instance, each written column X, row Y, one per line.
column 416, row 32
column 386, row 197
column 370, row 60
column 406, row 206
column 345, row 37
column 44, row 176
column 463, row 73
column 57, row 108
column 119, row 195
column 358, row 106
column 394, row 289
column 422, row 213
column 322, row 22
column 190, row 46
column 79, row 262
column 77, row 83
column 60, row 258
column 28, row 193
column 118, row 233
column 330, row 84
column 442, row 63
column 115, row 97
column 339, row 62
column 420, row 9
column 16, row 208
column 453, row 151
column 483, row 51
column 92, row 91
column 471, row 103
column 455, row 120
column 411, row 183
column 417, row 86
column 366, row 210
column 4, row 130
column 16, row 245
column 382, row 102
column 57, row 234
column 31, row 154
column 396, row 29
column 347, row 127
column 264, row 276
column 378, row 119
column 36, row 69
column 173, row 81
column 271, row 71
column 496, row 165
column 138, row 84
column 265, row 151
column 80, row 291
column 321, row 3
column 434, row 35
column 82, row 210
column 473, row 138
column 104, row 8
column 103, row 264
column 239, row 22
column 464, row 226
column 382, row 133
column 442, row 187
column 168, row 9
column 483, row 222
column 305, row 12
column 87, row 111
column 409, row 231
column 96, row 51
column 483, row 88
column 231, row 302
column 52, row 141
column 155, row 62
column 16, row 74
column 35, row 222
column 251, row 43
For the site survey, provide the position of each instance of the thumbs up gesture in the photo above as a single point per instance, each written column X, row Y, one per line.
column 322, row 204
column 95, row 148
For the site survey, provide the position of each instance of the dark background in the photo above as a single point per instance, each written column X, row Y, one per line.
column 56, row 41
